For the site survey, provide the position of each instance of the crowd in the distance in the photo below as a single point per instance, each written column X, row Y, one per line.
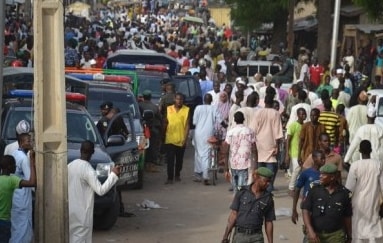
column 321, row 126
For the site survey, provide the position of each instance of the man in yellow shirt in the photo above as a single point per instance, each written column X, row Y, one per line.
column 177, row 129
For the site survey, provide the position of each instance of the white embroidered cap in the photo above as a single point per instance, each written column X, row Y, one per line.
column 23, row 127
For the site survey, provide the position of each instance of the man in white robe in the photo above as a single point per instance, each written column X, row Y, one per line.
column 82, row 184
column 365, row 181
column 248, row 111
column 357, row 115
column 22, row 127
column 302, row 96
column 371, row 132
column 204, row 118
column 21, row 213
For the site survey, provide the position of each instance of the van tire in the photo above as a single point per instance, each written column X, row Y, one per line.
column 109, row 217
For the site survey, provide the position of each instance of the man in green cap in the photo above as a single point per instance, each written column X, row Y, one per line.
column 252, row 206
column 327, row 209
column 155, row 127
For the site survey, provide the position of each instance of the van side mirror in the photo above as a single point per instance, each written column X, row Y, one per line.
column 115, row 140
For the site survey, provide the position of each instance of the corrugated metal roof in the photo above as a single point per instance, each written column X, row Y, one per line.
column 351, row 10
column 367, row 28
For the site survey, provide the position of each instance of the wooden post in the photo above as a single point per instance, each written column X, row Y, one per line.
column 50, row 123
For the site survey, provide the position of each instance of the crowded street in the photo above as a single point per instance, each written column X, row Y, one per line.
column 143, row 121
column 191, row 212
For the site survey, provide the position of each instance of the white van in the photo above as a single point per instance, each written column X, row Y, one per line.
column 378, row 104
column 250, row 68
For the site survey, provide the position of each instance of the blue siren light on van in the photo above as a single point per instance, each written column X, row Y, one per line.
column 127, row 66
column 23, row 93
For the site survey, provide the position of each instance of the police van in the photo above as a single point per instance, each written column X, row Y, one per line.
column 80, row 127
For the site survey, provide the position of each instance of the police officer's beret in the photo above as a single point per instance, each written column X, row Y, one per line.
column 328, row 168
column 147, row 93
column 106, row 105
column 265, row 172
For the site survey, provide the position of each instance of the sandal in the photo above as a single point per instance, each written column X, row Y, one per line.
column 206, row 183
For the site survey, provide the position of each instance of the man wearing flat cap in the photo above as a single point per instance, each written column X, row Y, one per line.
column 252, row 206
column 327, row 209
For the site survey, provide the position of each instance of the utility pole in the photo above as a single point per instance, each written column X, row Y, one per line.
column 2, row 24
column 290, row 31
column 335, row 30
column 50, row 123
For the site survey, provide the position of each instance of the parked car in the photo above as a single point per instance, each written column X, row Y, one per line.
column 20, row 78
column 80, row 127
column 98, row 92
column 126, row 57
column 151, row 80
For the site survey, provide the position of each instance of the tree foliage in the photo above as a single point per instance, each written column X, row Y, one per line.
column 374, row 8
column 251, row 14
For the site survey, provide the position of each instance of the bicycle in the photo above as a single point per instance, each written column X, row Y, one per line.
column 213, row 159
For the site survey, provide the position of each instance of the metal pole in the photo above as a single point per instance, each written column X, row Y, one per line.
column 290, row 32
column 2, row 24
column 335, row 30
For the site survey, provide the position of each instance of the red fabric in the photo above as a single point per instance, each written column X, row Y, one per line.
column 173, row 54
column 186, row 63
column 100, row 62
column 146, row 131
column 228, row 33
column 315, row 72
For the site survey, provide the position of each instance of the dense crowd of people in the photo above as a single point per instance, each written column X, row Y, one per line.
column 323, row 125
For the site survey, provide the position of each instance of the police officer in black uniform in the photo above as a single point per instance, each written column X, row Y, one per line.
column 252, row 206
column 118, row 126
column 108, row 112
column 327, row 209
column 102, row 124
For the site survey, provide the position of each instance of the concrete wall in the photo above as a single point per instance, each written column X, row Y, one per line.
column 221, row 15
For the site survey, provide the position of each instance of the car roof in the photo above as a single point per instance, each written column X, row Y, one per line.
column 378, row 92
column 26, row 70
column 108, row 86
column 152, row 73
column 143, row 57
column 16, row 70
column 254, row 63
column 20, row 103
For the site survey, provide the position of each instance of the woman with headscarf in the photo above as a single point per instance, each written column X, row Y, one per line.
column 223, row 108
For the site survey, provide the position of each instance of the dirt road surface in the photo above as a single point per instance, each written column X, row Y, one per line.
column 191, row 213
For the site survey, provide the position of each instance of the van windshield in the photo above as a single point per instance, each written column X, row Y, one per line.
column 125, row 101
column 79, row 126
